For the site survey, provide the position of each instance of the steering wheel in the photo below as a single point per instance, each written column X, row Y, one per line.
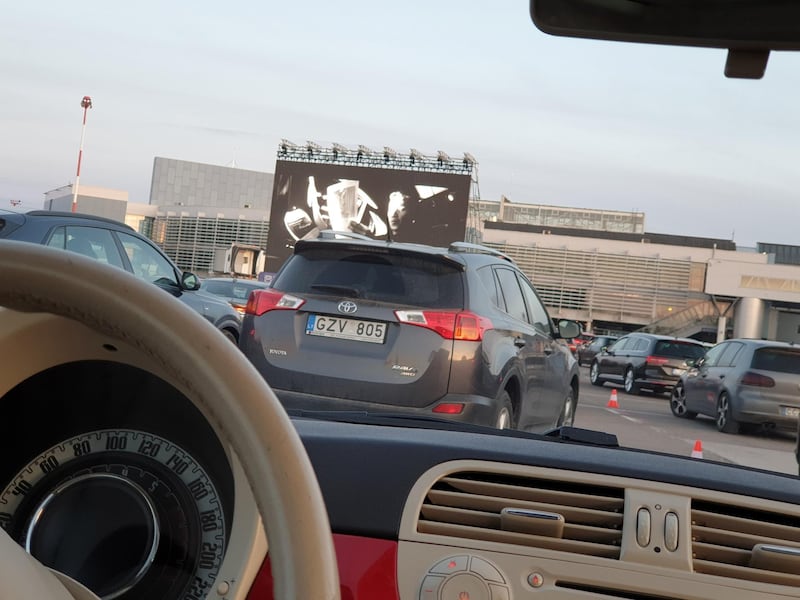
column 215, row 376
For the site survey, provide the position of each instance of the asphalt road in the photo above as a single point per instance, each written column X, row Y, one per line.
column 646, row 422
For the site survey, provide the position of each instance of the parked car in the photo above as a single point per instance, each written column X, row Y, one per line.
column 457, row 332
column 585, row 353
column 236, row 291
column 645, row 361
column 119, row 245
column 742, row 382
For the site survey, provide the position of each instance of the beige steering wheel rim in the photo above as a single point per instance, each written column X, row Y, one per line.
column 218, row 379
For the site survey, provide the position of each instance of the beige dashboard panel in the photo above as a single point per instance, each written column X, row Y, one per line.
column 621, row 538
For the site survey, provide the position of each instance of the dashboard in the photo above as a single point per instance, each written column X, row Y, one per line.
column 110, row 474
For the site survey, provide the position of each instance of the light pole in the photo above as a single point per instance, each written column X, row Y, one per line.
column 86, row 104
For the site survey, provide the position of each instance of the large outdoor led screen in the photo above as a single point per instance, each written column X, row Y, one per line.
column 397, row 204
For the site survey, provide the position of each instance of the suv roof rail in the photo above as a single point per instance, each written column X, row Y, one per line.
column 478, row 249
column 332, row 234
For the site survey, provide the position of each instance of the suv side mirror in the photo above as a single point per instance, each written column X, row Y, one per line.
column 568, row 329
column 190, row 281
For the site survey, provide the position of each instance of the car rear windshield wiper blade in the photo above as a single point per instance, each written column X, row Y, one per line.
column 344, row 290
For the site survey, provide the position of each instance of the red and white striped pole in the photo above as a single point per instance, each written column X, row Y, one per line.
column 86, row 104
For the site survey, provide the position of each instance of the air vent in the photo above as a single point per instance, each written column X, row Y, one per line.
column 475, row 506
column 740, row 543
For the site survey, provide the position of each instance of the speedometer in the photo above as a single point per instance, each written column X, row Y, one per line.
column 127, row 513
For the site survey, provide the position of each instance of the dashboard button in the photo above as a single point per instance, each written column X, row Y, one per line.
column 454, row 564
column 465, row 586
column 486, row 570
column 671, row 531
column 499, row 592
column 429, row 590
column 643, row 526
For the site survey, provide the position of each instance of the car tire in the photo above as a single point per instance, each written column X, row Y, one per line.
column 230, row 335
column 725, row 422
column 677, row 403
column 567, row 416
column 631, row 387
column 594, row 374
column 505, row 413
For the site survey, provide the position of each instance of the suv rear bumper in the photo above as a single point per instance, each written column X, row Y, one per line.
column 478, row 410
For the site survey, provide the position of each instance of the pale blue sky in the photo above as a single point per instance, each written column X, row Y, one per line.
column 550, row 120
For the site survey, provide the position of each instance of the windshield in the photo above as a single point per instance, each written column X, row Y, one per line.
column 629, row 188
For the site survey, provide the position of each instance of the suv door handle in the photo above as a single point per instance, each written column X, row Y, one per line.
column 520, row 342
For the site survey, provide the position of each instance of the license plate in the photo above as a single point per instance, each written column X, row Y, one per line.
column 790, row 411
column 347, row 329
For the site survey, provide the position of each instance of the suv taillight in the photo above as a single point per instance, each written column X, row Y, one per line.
column 757, row 380
column 261, row 301
column 451, row 325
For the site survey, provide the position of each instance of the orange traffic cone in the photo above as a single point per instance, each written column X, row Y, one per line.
column 612, row 401
column 697, row 452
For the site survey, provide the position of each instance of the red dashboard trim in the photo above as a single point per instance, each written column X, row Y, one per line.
column 367, row 570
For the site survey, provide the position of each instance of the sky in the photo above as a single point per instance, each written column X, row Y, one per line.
column 550, row 120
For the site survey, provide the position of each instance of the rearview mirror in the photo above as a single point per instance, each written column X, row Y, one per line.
column 749, row 29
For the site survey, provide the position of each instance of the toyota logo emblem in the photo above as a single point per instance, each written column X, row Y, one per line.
column 347, row 307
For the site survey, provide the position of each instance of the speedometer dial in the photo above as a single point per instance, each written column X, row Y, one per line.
column 127, row 513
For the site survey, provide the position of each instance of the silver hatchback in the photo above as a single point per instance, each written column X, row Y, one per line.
column 742, row 382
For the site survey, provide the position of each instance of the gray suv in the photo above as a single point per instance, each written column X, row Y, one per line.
column 458, row 332
column 117, row 244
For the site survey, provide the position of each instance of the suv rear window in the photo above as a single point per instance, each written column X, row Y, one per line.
column 674, row 349
column 385, row 277
column 782, row 360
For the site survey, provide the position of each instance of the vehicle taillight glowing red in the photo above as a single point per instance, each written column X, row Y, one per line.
column 449, row 408
column 261, row 301
column 451, row 325
column 757, row 380
column 656, row 361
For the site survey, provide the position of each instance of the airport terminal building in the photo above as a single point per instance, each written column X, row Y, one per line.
column 597, row 266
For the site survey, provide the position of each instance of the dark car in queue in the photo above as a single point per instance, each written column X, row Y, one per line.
column 235, row 290
column 585, row 353
column 119, row 245
column 458, row 332
column 578, row 341
column 740, row 383
column 641, row 361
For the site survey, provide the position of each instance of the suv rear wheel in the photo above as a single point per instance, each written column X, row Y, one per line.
column 567, row 417
column 505, row 414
